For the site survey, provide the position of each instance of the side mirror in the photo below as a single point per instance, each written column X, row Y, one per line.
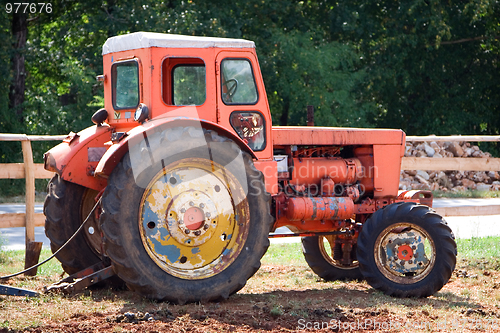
column 99, row 117
column 142, row 113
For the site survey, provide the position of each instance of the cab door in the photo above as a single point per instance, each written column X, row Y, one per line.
column 241, row 100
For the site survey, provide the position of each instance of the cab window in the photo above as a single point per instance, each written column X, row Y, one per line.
column 183, row 81
column 125, row 80
column 238, row 82
column 188, row 82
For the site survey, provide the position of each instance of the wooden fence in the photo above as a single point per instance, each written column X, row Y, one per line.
column 457, row 164
column 31, row 171
column 453, row 163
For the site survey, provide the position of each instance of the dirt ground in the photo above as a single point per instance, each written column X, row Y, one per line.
column 276, row 299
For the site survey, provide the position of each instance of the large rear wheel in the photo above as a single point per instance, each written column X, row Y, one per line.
column 406, row 250
column 190, row 226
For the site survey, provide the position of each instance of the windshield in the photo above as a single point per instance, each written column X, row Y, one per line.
column 125, row 77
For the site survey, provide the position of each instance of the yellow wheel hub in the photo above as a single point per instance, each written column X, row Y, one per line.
column 194, row 218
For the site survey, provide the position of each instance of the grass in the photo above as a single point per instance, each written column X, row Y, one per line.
column 284, row 254
column 13, row 261
column 479, row 247
column 473, row 249
column 471, row 194
column 284, row 289
column 288, row 254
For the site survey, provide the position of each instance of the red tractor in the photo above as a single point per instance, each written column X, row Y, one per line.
column 183, row 177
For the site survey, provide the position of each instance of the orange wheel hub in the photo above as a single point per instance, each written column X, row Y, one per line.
column 405, row 252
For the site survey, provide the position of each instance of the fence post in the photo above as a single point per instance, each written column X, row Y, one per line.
column 32, row 248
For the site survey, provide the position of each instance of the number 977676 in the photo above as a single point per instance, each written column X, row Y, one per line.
column 26, row 7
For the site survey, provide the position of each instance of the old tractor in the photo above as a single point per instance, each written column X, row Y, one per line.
column 183, row 177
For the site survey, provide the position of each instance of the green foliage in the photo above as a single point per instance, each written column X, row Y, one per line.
column 426, row 66
column 432, row 65
column 302, row 71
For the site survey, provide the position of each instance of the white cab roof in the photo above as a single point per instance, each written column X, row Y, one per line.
column 139, row 40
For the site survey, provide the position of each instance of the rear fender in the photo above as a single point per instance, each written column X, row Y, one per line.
column 76, row 158
column 140, row 133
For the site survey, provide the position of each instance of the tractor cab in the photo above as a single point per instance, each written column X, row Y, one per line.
column 217, row 81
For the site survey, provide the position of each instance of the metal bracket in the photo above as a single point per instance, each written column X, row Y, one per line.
column 82, row 279
column 308, row 234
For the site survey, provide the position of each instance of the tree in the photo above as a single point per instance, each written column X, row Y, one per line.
column 19, row 34
column 432, row 66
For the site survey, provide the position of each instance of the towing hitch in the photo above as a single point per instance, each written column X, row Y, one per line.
column 71, row 284
column 83, row 279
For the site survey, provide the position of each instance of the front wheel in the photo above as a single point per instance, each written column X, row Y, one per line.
column 190, row 226
column 406, row 250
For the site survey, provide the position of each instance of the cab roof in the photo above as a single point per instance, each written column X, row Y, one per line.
column 139, row 40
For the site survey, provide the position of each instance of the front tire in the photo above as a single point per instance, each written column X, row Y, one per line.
column 406, row 250
column 190, row 226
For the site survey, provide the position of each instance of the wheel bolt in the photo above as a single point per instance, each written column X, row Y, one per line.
column 183, row 210
column 187, row 231
column 207, row 214
column 202, row 205
column 206, row 226
column 191, row 203
column 197, row 232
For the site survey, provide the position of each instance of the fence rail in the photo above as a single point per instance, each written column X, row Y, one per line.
column 454, row 138
column 457, row 164
column 24, row 137
column 451, row 163
column 468, row 210
column 29, row 171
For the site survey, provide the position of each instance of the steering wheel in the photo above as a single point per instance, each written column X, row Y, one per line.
column 230, row 90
